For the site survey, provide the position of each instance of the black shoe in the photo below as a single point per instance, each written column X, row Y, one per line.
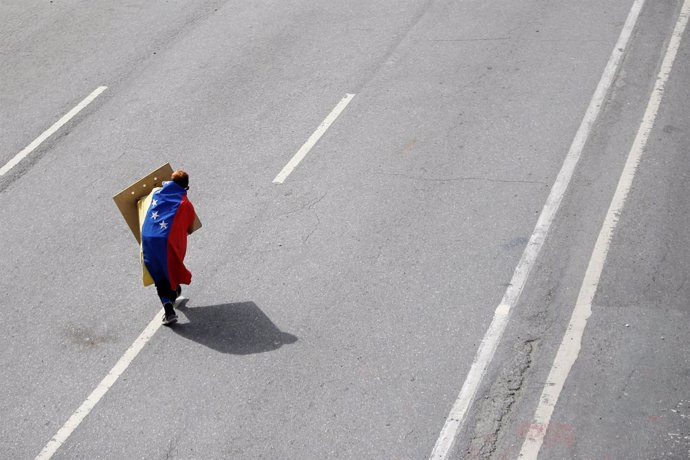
column 169, row 317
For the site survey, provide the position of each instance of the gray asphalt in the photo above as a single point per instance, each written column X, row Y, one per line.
column 627, row 394
column 337, row 315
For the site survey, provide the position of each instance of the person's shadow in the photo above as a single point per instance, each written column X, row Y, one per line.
column 236, row 328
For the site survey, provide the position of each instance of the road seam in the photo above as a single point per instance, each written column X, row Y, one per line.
column 492, row 337
column 570, row 346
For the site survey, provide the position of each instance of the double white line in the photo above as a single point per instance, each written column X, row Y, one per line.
column 493, row 335
column 569, row 349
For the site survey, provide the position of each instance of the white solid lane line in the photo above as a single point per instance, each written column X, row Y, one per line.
column 80, row 414
column 487, row 347
column 572, row 340
column 313, row 139
column 50, row 131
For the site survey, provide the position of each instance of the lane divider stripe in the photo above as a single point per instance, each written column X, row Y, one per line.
column 108, row 381
column 313, row 139
column 487, row 347
column 52, row 130
column 570, row 346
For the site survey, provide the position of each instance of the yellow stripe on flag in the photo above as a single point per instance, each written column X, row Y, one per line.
column 143, row 207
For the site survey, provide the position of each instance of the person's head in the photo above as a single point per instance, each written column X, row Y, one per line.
column 181, row 178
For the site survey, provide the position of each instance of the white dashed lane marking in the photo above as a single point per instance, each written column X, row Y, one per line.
column 52, row 130
column 313, row 139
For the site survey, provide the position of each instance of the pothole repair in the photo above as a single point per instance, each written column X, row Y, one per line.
column 497, row 403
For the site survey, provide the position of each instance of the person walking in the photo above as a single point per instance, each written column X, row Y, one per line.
column 168, row 220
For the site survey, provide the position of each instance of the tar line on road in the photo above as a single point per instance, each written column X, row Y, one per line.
column 492, row 337
column 570, row 346
column 52, row 130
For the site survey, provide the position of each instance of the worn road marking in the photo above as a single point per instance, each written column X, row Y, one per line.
column 313, row 139
column 50, row 131
column 493, row 335
column 572, row 340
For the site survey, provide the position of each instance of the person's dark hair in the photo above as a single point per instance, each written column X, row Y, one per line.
column 181, row 178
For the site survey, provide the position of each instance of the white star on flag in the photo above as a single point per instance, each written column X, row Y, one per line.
column 164, row 225
column 154, row 203
column 154, row 215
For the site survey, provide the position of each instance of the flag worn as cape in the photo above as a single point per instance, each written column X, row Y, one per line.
column 164, row 228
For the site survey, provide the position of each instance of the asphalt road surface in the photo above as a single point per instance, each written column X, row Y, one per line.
column 338, row 313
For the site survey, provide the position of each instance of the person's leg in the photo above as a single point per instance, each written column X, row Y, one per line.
column 165, row 292
column 167, row 296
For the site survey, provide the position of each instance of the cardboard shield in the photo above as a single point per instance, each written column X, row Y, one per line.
column 127, row 200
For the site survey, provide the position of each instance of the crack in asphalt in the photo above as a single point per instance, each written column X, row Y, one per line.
column 498, row 403
column 461, row 179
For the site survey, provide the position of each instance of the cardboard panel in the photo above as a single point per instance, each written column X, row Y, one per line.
column 127, row 199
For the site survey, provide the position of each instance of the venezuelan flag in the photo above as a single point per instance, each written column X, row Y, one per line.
column 166, row 215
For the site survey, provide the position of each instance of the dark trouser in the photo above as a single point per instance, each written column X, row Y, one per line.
column 165, row 292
